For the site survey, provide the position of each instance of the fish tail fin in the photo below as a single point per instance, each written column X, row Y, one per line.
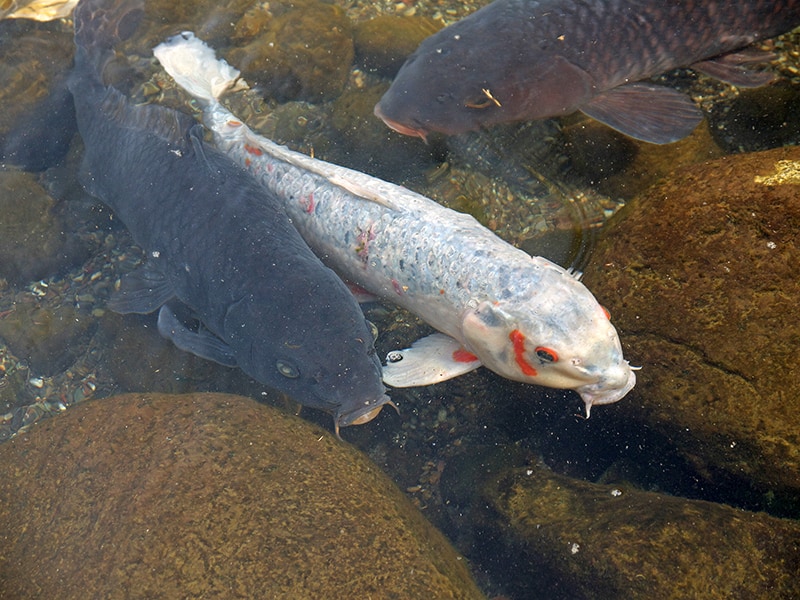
column 195, row 67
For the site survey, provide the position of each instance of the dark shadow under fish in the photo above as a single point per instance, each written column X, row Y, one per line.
column 522, row 59
column 267, row 304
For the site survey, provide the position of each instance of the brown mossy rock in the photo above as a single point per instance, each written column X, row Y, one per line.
column 47, row 336
column 384, row 42
column 301, row 50
column 33, row 55
column 701, row 276
column 33, row 243
column 564, row 538
column 212, row 496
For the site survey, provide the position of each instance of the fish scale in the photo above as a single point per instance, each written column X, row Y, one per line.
column 523, row 317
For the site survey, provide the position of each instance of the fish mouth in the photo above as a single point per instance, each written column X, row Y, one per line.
column 399, row 127
column 608, row 390
column 363, row 414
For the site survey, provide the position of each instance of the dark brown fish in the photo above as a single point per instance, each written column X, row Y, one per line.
column 517, row 60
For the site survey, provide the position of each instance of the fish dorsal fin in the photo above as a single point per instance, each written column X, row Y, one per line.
column 651, row 113
column 328, row 172
column 732, row 68
column 358, row 190
column 168, row 124
column 195, row 136
column 335, row 175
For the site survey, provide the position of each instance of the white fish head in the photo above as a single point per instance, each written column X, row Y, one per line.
column 557, row 336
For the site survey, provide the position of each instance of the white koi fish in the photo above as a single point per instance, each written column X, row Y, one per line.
column 523, row 317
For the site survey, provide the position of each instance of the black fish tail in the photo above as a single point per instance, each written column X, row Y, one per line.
column 100, row 25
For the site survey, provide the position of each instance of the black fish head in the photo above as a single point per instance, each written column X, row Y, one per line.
column 482, row 71
column 320, row 352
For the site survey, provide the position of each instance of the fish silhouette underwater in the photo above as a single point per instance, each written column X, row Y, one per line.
column 216, row 242
column 519, row 60
column 521, row 316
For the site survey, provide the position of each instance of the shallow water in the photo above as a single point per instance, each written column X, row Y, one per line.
column 59, row 345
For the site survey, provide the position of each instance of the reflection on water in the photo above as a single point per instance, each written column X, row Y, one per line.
column 548, row 187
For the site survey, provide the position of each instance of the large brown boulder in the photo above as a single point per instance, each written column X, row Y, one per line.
column 700, row 274
column 561, row 538
column 207, row 495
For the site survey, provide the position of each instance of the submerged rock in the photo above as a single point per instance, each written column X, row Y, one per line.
column 556, row 537
column 207, row 496
column 33, row 240
column 700, row 273
column 384, row 42
column 48, row 337
column 302, row 53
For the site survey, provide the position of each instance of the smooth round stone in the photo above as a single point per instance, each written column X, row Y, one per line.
column 212, row 496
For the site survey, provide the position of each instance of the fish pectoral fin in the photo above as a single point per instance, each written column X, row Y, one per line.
column 141, row 291
column 203, row 344
column 429, row 360
column 651, row 113
column 731, row 68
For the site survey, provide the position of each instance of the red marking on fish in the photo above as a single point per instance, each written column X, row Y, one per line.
column 247, row 162
column 464, row 356
column 518, row 341
column 605, row 312
column 254, row 150
column 308, row 203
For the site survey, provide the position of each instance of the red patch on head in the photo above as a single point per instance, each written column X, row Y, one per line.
column 605, row 312
column 463, row 356
column 518, row 341
column 253, row 150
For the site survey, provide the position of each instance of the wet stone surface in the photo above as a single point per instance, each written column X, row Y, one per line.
column 560, row 538
column 382, row 44
column 33, row 240
column 144, row 496
column 303, row 51
column 700, row 275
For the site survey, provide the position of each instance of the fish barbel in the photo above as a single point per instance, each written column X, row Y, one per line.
column 523, row 317
column 519, row 60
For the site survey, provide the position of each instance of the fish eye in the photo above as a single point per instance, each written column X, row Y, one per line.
column 546, row 354
column 287, row 369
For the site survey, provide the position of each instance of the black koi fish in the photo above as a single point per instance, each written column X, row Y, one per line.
column 519, row 60
column 216, row 242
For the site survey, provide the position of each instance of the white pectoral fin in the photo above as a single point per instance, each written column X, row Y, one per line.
column 430, row 360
